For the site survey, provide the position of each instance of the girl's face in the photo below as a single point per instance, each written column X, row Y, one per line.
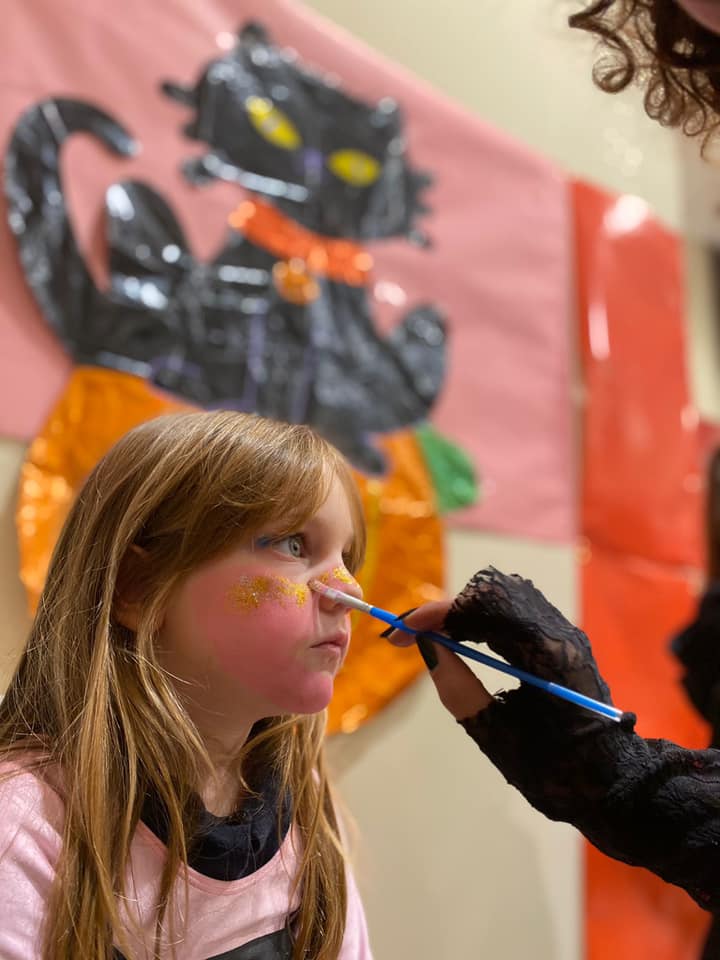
column 247, row 630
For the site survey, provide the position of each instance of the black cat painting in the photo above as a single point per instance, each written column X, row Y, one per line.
column 280, row 321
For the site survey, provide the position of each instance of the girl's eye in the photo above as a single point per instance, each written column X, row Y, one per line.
column 293, row 545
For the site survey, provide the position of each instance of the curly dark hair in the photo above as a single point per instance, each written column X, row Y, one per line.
column 657, row 44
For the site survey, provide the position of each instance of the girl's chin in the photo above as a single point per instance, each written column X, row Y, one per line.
column 312, row 700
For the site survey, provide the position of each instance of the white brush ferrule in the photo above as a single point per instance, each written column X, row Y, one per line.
column 339, row 597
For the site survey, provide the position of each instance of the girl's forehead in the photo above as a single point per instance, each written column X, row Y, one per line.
column 333, row 505
column 333, row 516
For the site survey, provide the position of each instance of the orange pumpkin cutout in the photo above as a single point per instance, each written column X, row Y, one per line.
column 404, row 564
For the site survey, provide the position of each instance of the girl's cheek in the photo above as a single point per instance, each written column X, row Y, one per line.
column 252, row 643
column 250, row 593
column 270, row 619
column 244, row 616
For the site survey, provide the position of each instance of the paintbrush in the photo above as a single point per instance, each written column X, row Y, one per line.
column 603, row 709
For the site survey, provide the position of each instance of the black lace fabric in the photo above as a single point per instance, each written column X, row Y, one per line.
column 646, row 802
column 517, row 622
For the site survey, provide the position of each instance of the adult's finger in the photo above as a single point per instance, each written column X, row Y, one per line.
column 459, row 689
column 430, row 616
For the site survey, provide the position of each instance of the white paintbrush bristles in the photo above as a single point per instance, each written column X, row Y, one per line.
column 339, row 597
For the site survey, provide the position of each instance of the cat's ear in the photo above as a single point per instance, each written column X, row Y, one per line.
column 253, row 34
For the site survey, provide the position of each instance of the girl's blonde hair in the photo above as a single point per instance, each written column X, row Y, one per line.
column 89, row 696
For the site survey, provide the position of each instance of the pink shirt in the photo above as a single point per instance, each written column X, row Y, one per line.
column 222, row 916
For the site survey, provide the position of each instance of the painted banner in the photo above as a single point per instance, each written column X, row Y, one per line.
column 130, row 106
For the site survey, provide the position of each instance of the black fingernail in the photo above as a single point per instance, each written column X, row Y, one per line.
column 427, row 651
column 386, row 633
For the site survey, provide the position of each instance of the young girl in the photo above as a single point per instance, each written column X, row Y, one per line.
column 163, row 791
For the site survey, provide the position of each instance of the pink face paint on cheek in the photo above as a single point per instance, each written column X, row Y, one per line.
column 259, row 622
column 259, row 629
column 252, row 622
column 257, row 639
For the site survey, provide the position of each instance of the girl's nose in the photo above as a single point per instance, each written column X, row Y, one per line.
column 341, row 579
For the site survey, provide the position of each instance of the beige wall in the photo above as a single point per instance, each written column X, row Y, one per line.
column 454, row 865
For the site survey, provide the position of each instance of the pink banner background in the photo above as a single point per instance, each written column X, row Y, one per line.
column 498, row 268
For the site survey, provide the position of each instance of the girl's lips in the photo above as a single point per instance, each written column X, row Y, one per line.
column 338, row 641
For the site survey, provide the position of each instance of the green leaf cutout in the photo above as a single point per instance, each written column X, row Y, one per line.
column 452, row 472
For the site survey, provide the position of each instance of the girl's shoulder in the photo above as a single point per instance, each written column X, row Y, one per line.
column 30, row 798
column 31, row 831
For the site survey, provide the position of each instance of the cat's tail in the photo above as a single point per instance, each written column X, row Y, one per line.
column 37, row 207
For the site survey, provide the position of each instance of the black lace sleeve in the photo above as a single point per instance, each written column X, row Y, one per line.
column 697, row 647
column 649, row 803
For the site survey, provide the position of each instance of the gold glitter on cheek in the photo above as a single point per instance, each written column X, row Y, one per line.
column 338, row 574
column 250, row 592
column 289, row 589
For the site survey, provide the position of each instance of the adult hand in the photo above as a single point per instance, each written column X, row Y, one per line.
column 459, row 689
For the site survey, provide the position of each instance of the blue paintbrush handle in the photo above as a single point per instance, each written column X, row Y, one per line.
column 597, row 706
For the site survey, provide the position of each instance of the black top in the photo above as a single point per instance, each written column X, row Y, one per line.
column 697, row 647
column 228, row 848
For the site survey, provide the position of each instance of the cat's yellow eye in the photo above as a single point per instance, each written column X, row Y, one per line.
column 272, row 124
column 354, row 167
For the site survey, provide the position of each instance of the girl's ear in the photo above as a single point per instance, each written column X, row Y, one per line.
column 127, row 605
column 126, row 614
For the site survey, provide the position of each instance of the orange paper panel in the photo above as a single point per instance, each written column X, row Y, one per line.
column 642, row 520
column 632, row 914
column 630, row 609
column 641, row 485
